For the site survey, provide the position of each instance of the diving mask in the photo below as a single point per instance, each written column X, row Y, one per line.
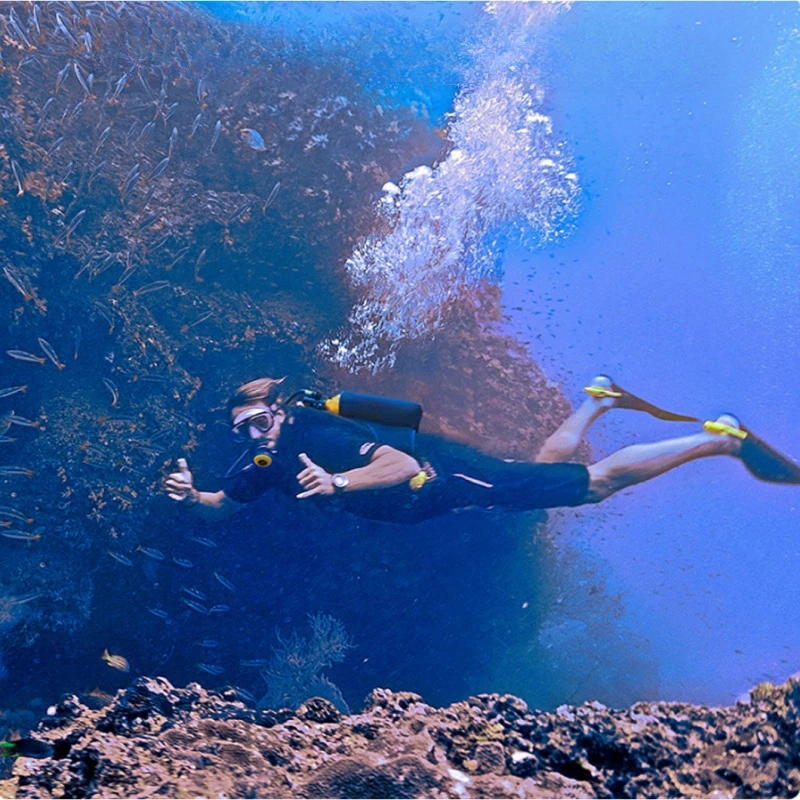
column 251, row 424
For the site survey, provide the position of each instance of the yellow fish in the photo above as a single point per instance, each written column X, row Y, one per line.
column 117, row 662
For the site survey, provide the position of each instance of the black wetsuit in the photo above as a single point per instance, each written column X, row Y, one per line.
column 464, row 476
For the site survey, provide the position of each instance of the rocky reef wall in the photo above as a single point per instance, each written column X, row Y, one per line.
column 155, row 740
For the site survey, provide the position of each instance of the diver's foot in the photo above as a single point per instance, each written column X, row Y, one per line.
column 762, row 461
column 603, row 394
column 727, row 429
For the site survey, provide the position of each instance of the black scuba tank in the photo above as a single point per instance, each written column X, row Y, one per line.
column 393, row 422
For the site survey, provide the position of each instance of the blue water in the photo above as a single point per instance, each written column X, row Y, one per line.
column 681, row 282
column 625, row 174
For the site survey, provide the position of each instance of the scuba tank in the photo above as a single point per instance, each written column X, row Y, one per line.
column 393, row 422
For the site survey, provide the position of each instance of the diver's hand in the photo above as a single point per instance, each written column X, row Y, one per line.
column 180, row 486
column 314, row 479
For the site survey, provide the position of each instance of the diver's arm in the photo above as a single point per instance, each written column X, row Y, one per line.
column 387, row 467
column 212, row 506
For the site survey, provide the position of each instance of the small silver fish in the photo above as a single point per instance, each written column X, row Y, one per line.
column 112, row 387
column 173, row 138
column 12, row 470
column 21, row 536
column 195, row 125
column 64, row 29
column 199, row 263
column 95, row 172
column 50, row 353
column 196, row 593
column 120, row 86
column 67, row 172
column 36, row 21
column 151, row 287
column 87, row 42
column 15, row 419
column 11, row 513
column 121, row 558
column 159, row 170
column 201, row 91
column 239, row 212
column 16, row 282
column 130, row 178
column 131, row 131
column 203, row 541
column 13, row 390
column 255, row 663
column 53, row 147
column 22, row 355
column 225, row 582
column 272, row 195
column 28, row 598
column 103, row 138
column 151, row 552
column 194, row 605
column 183, row 562
column 81, row 80
column 46, row 107
column 243, row 695
column 68, row 231
column 158, row 612
column 15, row 25
column 220, row 608
column 201, row 318
column 146, row 131
column 62, row 76
column 19, row 175
column 217, row 131
column 211, row 669
column 162, row 240
column 208, row 644
column 178, row 256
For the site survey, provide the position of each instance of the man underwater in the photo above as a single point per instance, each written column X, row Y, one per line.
column 310, row 452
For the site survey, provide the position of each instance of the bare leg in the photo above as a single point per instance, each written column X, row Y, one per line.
column 641, row 462
column 562, row 444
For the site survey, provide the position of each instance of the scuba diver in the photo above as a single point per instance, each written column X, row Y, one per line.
column 363, row 454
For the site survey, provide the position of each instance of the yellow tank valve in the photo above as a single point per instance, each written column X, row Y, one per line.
column 332, row 404
column 262, row 460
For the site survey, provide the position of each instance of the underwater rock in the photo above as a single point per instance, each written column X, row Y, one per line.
column 157, row 740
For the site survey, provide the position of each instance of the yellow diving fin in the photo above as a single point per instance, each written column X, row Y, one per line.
column 625, row 399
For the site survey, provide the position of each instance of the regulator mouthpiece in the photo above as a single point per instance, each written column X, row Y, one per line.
column 261, row 457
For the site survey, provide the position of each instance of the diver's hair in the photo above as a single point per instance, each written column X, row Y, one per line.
column 265, row 389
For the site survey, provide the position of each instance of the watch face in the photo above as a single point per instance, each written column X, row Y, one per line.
column 340, row 481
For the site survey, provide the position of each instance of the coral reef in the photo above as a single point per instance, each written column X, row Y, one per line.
column 156, row 740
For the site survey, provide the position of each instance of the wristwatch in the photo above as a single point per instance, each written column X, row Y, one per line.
column 340, row 483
